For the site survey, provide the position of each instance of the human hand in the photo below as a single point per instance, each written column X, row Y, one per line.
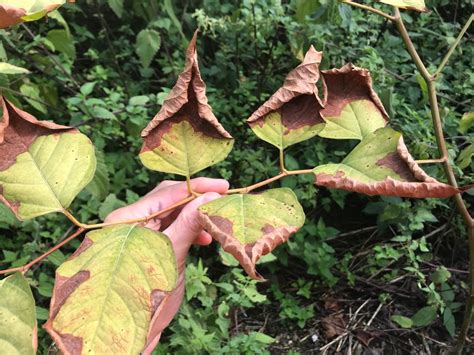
column 181, row 226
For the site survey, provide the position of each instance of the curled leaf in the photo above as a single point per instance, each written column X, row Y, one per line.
column 381, row 165
column 352, row 110
column 249, row 226
column 18, row 330
column 185, row 137
column 292, row 114
column 43, row 166
column 14, row 11
column 108, row 294
column 417, row 5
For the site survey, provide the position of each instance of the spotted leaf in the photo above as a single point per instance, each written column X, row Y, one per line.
column 249, row 226
column 353, row 110
column 418, row 5
column 43, row 166
column 381, row 165
column 292, row 114
column 108, row 295
column 17, row 316
column 185, row 137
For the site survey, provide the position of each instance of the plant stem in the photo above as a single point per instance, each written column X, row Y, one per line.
column 282, row 161
column 369, row 8
column 441, row 142
column 23, row 269
column 453, row 47
column 431, row 161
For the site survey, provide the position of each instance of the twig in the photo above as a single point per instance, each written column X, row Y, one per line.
column 431, row 161
column 23, row 269
column 369, row 8
column 453, row 47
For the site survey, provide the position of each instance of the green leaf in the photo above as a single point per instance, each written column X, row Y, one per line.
column 381, row 165
column 87, row 88
column 418, row 5
column 465, row 157
column 353, row 109
column 425, row 316
column 466, row 122
column 292, row 114
column 10, row 69
column 110, row 204
column 62, row 42
column 101, row 112
column 17, row 316
column 171, row 14
column 100, row 185
column 185, row 137
column 148, row 43
column 41, row 172
column 449, row 321
column 116, row 6
column 251, row 225
column 108, row 295
column 441, row 275
column 263, row 338
column 32, row 95
column 402, row 321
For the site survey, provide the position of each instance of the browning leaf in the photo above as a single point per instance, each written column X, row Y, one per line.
column 14, row 11
column 381, row 165
column 185, row 136
column 108, row 294
column 353, row 110
column 249, row 226
column 43, row 166
column 292, row 114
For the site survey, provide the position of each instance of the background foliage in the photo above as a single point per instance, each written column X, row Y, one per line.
column 106, row 66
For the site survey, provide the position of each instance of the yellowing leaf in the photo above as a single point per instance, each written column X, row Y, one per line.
column 16, row 11
column 353, row 110
column 292, row 114
column 17, row 317
column 6, row 68
column 185, row 137
column 108, row 294
column 381, row 165
column 249, row 226
column 418, row 5
column 43, row 166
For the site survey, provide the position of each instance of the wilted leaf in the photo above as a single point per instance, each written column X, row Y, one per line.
column 353, row 110
column 16, row 11
column 251, row 225
column 17, row 316
column 148, row 43
column 381, row 165
column 291, row 115
column 6, row 68
column 43, row 166
column 108, row 294
column 185, row 137
column 418, row 5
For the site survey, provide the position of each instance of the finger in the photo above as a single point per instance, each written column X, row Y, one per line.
column 169, row 194
column 186, row 228
column 163, row 184
column 203, row 238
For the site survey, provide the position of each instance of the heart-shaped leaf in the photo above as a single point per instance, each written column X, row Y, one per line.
column 418, row 5
column 43, row 166
column 16, row 11
column 291, row 115
column 353, row 110
column 185, row 137
column 108, row 294
column 17, row 316
column 381, row 165
column 249, row 226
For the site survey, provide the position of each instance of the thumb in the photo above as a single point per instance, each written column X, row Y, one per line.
column 186, row 228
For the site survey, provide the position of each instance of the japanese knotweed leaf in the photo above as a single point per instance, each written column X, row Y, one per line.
column 43, row 166
column 16, row 11
column 17, row 317
column 381, row 165
column 292, row 114
column 185, row 137
column 249, row 226
column 418, row 5
column 108, row 295
column 352, row 110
